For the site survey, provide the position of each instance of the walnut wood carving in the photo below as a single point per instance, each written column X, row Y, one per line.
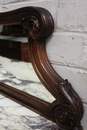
column 67, row 109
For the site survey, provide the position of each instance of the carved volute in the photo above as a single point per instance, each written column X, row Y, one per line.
column 67, row 109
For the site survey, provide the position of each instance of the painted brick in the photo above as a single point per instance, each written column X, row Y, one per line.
column 76, row 76
column 72, row 15
column 82, row 15
column 84, row 120
column 68, row 49
column 67, row 14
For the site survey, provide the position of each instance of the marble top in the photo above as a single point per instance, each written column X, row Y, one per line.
column 14, row 116
column 22, row 76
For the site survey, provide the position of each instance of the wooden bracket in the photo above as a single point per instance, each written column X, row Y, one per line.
column 67, row 109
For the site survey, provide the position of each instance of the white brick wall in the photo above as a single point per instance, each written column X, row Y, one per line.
column 67, row 47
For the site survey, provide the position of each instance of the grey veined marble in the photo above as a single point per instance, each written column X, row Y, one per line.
column 12, row 115
column 16, row 117
column 21, row 75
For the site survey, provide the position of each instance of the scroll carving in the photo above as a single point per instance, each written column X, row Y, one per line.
column 32, row 25
column 69, row 112
column 38, row 25
column 67, row 109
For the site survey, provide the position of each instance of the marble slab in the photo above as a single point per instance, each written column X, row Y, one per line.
column 14, row 116
column 22, row 76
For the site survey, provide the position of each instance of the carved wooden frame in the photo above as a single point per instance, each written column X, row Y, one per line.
column 67, row 109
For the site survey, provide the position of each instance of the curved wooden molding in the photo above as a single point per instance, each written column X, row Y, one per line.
column 67, row 109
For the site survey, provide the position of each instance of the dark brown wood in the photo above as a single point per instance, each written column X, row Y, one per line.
column 15, row 50
column 25, row 52
column 27, row 100
column 67, row 109
column 13, row 30
column 9, row 47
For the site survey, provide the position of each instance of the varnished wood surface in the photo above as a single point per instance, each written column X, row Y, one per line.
column 67, row 109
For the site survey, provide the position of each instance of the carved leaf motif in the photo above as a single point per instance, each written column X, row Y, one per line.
column 32, row 25
column 69, row 111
